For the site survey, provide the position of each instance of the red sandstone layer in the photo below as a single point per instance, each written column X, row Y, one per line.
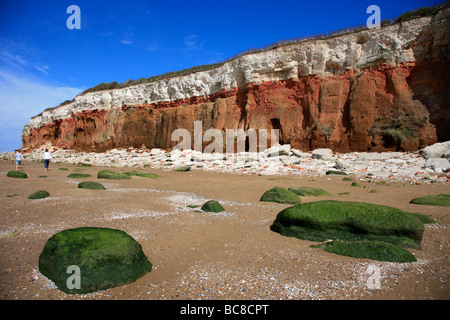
column 366, row 110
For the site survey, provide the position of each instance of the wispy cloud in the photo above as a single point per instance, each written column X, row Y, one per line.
column 127, row 38
column 42, row 68
column 12, row 58
column 19, row 56
column 191, row 42
column 22, row 97
column 194, row 45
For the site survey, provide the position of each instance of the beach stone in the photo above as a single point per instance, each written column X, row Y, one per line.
column 280, row 195
column 105, row 257
column 278, row 150
column 447, row 154
column 341, row 165
column 199, row 156
column 437, row 164
column 156, row 151
column 323, row 154
column 300, row 154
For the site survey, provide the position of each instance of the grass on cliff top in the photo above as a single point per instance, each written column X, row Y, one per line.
column 409, row 15
column 433, row 200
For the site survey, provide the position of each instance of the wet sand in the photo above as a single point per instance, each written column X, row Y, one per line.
column 200, row 255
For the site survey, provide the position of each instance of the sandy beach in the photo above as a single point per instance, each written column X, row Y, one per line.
column 200, row 255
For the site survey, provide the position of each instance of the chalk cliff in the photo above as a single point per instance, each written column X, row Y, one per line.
column 373, row 90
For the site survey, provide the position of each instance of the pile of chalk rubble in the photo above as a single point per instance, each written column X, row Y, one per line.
column 430, row 164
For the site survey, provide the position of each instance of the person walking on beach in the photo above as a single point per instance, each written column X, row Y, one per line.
column 47, row 156
column 19, row 159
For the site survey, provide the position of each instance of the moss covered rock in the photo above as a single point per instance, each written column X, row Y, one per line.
column 212, row 206
column 109, row 174
column 17, row 174
column 141, row 174
column 308, row 191
column 78, row 175
column 433, row 200
column 183, row 169
column 374, row 250
column 91, row 185
column 105, row 257
column 331, row 172
column 39, row 195
column 351, row 221
column 280, row 195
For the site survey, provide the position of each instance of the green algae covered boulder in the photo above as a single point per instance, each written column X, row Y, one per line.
column 104, row 257
column 433, row 200
column 17, row 174
column 309, row 191
column 280, row 195
column 41, row 194
column 91, row 185
column 109, row 174
column 351, row 221
column 141, row 174
column 78, row 175
column 212, row 206
column 374, row 250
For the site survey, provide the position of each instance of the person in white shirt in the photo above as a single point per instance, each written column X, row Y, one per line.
column 47, row 156
column 19, row 158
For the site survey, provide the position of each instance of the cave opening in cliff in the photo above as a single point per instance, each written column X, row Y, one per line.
column 276, row 125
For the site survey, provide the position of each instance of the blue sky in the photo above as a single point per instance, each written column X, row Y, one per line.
column 43, row 63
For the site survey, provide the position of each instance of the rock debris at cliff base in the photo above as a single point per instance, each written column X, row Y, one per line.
column 432, row 164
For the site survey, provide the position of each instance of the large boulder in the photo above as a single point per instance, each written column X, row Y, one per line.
column 436, row 150
column 278, row 150
column 437, row 164
column 105, row 257
column 351, row 221
column 323, row 154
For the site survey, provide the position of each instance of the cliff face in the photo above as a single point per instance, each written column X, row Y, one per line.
column 373, row 90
